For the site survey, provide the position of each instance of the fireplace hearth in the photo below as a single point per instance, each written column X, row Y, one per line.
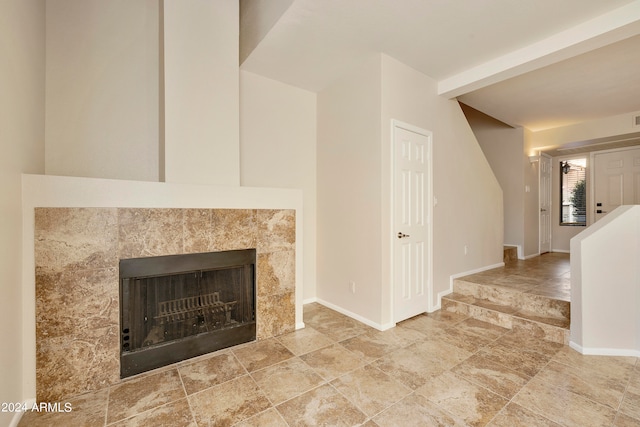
column 180, row 306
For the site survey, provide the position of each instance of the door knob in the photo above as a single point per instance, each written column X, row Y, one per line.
column 401, row 235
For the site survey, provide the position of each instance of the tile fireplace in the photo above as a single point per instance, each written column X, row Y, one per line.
column 77, row 252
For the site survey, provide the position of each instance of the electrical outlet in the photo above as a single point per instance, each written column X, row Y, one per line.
column 466, row 249
column 352, row 286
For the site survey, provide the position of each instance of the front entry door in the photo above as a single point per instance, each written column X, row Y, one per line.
column 411, row 212
column 545, row 204
column 616, row 180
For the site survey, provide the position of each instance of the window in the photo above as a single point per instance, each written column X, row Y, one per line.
column 573, row 192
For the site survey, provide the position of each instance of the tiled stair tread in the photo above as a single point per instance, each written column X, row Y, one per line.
column 512, row 300
column 473, row 288
column 510, row 254
column 508, row 300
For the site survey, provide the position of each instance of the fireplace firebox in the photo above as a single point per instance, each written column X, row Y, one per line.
column 180, row 306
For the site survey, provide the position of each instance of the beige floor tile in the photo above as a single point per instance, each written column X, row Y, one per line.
column 331, row 362
column 591, row 383
column 87, row 410
column 624, row 420
column 305, row 340
column 269, row 418
column 175, row 414
column 341, row 328
column 562, row 406
column 370, row 389
column 286, row 379
column 322, row 406
column 631, row 405
column 426, row 323
column 143, row 393
column 524, row 340
column 469, row 402
column 209, row 372
column 416, row 411
column 415, row 365
column 368, row 347
column 228, row 403
column 618, row 367
column 260, row 354
column 482, row 329
column 523, row 360
column 514, row 415
column 461, row 338
column 493, row 376
column 399, row 337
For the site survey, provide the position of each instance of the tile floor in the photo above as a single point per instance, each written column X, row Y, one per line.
column 440, row 369
column 547, row 275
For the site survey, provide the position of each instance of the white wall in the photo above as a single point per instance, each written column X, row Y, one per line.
column 349, row 193
column 257, row 17
column 469, row 211
column 139, row 93
column 102, row 89
column 503, row 146
column 278, row 149
column 605, row 285
column 601, row 128
column 354, row 195
column 22, row 49
column 201, row 92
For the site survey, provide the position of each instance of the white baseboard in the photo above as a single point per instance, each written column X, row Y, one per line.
column 309, row 300
column 17, row 416
column 467, row 273
column 378, row 326
column 532, row 256
column 603, row 351
column 562, row 251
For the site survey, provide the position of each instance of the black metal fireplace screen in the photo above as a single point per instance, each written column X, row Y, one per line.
column 180, row 306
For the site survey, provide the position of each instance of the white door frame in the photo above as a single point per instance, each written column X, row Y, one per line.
column 550, row 196
column 429, row 203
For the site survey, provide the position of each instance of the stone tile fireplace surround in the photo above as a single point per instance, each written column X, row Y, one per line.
column 76, row 254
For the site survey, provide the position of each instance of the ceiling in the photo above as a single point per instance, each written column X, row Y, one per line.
column 538, row 64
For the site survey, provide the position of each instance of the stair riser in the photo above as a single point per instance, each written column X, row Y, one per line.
column 539, row 330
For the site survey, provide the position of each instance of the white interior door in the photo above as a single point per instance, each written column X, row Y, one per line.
column 411, row 220
column 545, row 204
column 616, row 180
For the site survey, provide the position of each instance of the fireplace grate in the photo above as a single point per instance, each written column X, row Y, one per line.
column 192, row 307
column 175, row 307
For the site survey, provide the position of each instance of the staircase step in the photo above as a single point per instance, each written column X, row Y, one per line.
column 510, row 254
column 545, row 317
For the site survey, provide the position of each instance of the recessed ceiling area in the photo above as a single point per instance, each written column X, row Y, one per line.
column 538, row 64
